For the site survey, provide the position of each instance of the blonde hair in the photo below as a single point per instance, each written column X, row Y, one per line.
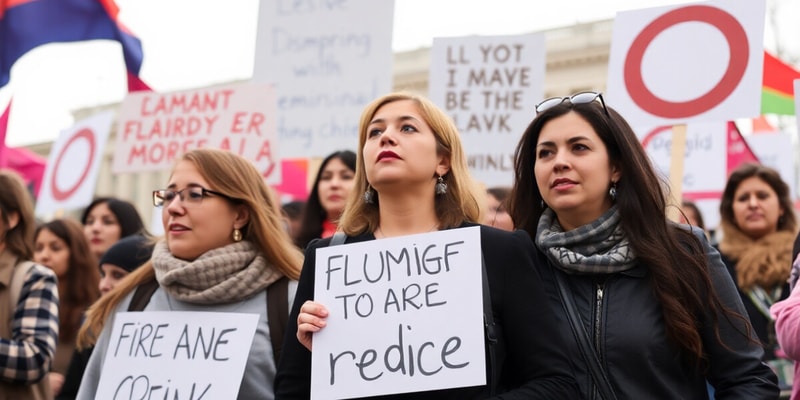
column 461, row 202
column 238, row 179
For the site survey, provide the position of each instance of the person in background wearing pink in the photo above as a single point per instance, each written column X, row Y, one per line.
column 786, row 314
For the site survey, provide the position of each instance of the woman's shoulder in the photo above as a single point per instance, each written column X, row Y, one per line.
column 500, row 237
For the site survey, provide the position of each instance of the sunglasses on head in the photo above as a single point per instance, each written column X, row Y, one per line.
column 577, row 98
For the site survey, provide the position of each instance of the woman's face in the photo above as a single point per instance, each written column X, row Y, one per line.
column 110, row 275
column 756, row 208
column 401, row 149
column 195, row 227
column 573, row 170
column 497, row 215
column 101, row 229
column 52, row 252
column 335, row 183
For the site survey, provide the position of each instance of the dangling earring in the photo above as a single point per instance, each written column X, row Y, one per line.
column 613, row 191
column 369, row 196
column 441, row 187
column 237, row 235
column 541, row 203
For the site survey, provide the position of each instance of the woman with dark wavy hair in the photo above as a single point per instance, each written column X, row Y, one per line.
column 328, row 196
column 652, row 309
column 108, row 219
column 61, row 246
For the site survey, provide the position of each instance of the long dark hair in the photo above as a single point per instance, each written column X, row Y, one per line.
column 80, row 284
column 129, row 220
column 314, row 214
column 679, row 277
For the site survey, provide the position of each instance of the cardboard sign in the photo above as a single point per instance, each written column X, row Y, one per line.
column 155, row 129
column 405, row 315
column 328, row 60
column 71, row 174
column 688, row 63
column 180, row 355
column 490, row 86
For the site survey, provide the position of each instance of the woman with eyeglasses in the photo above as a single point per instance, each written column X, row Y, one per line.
column 225, row 248
column 652, row 309
column 412, row 178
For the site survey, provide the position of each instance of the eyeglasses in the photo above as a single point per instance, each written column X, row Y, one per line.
column 190, row 195
column 577, row 98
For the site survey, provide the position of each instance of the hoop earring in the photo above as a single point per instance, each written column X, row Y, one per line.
column 613, row 191
column 237, row 235
column 369, row 196
column 441, row 187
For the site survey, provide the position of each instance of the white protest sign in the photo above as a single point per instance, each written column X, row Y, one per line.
column 688, row 63
column 155, row 129
column 705, row 163
column 405, row 315
column 71, row 173
column 490, row 86
column 176, row 355
column 327, row 59
column 705, row 159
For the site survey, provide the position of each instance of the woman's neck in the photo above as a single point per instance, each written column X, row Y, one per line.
column 406, row 216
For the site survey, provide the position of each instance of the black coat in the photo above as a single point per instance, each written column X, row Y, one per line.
column 640, row 361
column 534, row 362
column 761, row 324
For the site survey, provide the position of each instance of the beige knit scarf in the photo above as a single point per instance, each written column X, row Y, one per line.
column 765, row 262
column 224, row 275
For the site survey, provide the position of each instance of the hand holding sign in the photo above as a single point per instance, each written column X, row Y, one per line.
column 404, row 316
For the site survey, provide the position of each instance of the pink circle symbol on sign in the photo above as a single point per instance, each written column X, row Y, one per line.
column 739, row 52
column 58, row 193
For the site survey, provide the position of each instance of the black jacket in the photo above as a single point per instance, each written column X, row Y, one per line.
column 534, row 362
column 627, row 321
column 761, row 324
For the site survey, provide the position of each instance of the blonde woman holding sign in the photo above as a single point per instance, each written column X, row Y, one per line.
column 412, row 178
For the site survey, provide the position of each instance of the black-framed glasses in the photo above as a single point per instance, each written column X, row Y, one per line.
column 191, row 195
column 577, row 98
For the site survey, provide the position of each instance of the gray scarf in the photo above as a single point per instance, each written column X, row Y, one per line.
column 597, row 248
column 223, row 275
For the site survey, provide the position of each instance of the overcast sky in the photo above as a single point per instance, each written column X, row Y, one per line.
column 193, row 43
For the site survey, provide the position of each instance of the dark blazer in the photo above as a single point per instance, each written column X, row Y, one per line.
column 534, row 365
column 625, row 322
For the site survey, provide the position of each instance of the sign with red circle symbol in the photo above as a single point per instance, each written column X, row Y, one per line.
column 73, row 165
column 691, row 63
